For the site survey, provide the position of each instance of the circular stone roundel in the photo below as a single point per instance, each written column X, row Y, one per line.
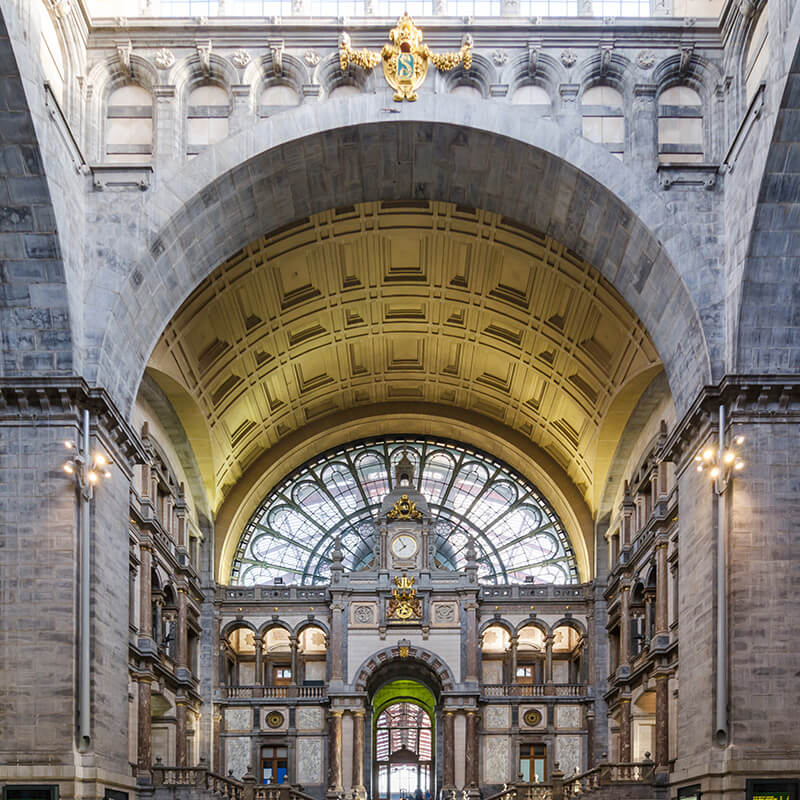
column 274, row 719
column 532, row 717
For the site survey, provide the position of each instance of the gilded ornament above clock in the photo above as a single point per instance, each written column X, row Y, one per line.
column 404, row 509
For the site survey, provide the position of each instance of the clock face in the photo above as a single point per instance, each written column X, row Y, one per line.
column 404, row 546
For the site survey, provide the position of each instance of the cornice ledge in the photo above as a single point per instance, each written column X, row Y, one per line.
column 747, row 398
column 63, row 397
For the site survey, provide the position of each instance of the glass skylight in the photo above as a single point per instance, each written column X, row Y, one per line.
column 338, row 494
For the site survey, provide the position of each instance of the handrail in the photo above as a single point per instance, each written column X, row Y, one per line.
column 533, row 689
column 274, row 692
column 628, row 772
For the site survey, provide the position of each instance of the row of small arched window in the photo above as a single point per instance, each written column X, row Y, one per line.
column 129, row 126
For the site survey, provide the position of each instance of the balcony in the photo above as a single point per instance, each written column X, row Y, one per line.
column 273, row 692
column 533, row 690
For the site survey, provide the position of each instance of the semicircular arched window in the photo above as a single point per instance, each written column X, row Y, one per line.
column 518, row 536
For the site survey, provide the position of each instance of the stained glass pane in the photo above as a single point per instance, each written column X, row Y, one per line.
column 517, row 534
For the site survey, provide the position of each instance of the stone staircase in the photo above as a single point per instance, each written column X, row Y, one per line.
column 199, row 783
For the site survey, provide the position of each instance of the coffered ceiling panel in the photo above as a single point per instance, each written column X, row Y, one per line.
column 422, row 302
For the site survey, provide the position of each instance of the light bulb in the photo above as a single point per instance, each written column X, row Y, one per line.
column 739, row 464
column 729, row 457
column 714, row 472
column 708, row 454
column 100, row 459
column 68, row 468
column 69, row 445
column 698, row 457
column 92, row 476
column 739, row 439
column 106, row 474
column 700, row 467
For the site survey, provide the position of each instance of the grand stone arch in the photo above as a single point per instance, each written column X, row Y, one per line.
column 405, row 655
column 34, row 305
column 768, row 329
column 334, row 155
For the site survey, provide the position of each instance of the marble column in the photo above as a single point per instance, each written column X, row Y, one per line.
column 448, row 750
column 145, row 597
column 472, row 643
column 180, row 643
column 293, row 648
column 625, row 627
column 335, row 752
column 259, row 676
column 180, row 732
column 625, row 730
column 513, row 661
column 358, row 753
column 144, row 745
column 472, row 749
column 662, row 589
column 662, row 721
column 335, row 643
column 548, row 658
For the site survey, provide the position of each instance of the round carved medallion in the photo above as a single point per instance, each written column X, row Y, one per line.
column 532, row 717
column 274, row 719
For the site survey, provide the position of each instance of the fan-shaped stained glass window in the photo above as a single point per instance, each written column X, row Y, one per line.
column 517, row 534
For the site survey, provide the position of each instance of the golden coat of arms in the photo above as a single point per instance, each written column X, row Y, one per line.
column 404, row 508
column 404, row 603
column 405, row 59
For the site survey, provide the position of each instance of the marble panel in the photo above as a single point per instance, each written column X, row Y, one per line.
column 568, row 716
column 309, row 760
column 237, row 755
column 309, row 718
column 238, row 719
column 497, row 717
column 495, row 759
column 568, row 753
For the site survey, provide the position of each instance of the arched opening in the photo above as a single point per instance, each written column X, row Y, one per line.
column 404, row 741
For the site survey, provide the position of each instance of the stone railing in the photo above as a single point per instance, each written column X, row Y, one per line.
column 273, row 692
column 522, row 790
column 194, row 778
column 533, row 689
column 603, row 775
column 279, row 792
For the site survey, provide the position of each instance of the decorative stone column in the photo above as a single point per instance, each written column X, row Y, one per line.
column 180, row 643
column 180, row 732
column 471, row 754
column 513, row 660
column 335, row 753
column 293, row 648
column 625, row 627
column 472, row 644
column 662, row 589
column 358, row 753
column 335, row 643
column 625, row 730
column 448, row 750
column 144, row 745
column 145, row 596
column 662, row 721
column 548, row 658
column 259, row 676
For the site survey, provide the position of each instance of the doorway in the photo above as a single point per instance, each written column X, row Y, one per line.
column 403, row 752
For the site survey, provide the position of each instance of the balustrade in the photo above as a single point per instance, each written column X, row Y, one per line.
column 533, row 690
column 273, row 692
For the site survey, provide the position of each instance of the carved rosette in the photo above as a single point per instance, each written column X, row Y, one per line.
column 164, row 58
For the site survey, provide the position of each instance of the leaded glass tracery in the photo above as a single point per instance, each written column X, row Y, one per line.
column 517, row 534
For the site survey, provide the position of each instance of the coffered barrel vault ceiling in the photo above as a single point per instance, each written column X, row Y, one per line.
column 411, row 303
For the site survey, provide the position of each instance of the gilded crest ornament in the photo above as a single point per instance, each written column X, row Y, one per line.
column 404, row 509
column 405, row 59
column 404, row 603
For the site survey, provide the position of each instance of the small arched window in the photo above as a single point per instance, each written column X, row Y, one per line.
column 344, row 90
column 275, row 98
column 129, row 125
column 604, row 118
column 52, row 58
column 466, row 90
column 207, row 117
column 680, row 125
column 534, row 98
column 757, row 58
